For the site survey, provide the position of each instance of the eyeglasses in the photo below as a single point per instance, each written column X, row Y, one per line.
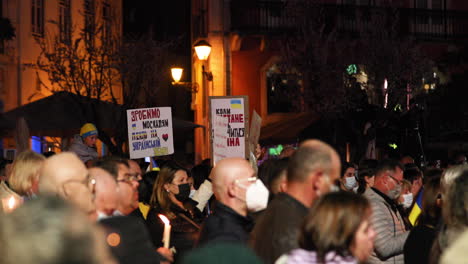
column 397, row 181
column 130, row 177
column 250, row 179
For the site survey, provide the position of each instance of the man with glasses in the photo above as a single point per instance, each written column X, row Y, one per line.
column 105, row 191
column 127, row 183
column 66, row 175
column 386, row 219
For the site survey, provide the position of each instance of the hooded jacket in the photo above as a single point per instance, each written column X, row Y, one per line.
column 84, row 152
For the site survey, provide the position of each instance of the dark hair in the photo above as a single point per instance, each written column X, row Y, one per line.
column 145, row 188
column 332, row 223
column 271, row 169
column 200, row 173
column 111, row 164
column 344, row 166
column 430, row 212
column 412, row 174
column 387, row 165
column 362, row 174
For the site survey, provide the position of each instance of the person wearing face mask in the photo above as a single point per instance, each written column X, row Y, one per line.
column 386, row 218
column 170, row 198
column 348, row 180
column 405, row 201
column 237, row 193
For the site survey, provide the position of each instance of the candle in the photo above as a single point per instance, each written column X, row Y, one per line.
column 9, row 204
column 167, row 231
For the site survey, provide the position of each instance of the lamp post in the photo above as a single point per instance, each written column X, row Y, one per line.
column 202, row 140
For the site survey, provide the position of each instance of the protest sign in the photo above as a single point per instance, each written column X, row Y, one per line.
column 228, row 119
column 254, row 135
column 150, row 132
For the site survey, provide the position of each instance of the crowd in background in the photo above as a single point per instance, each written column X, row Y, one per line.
column 306, row 206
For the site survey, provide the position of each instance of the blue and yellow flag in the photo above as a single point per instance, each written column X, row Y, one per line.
column 416, row 210
column 236, row 103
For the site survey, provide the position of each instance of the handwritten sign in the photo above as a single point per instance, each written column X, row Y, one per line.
column 255, row 126
column 150, row 132
column 228, row 117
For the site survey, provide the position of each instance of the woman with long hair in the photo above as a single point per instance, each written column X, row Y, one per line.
column 336, row 230
column 170, row 198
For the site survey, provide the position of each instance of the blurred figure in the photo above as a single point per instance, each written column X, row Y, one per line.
column 404, row 203
column 418, row 245
column 454, row 184
column 366, row 175
column 226, row 253
column 127, row 183
column 406, row 160
column 145, row 189
column 23, row 180
column 106, row 189
column 273, row 174
column 312, row 169
column 415, row 177
column 202, row 190
column 348, row 180
column 48, row 230
column 5, row 168
column 237, row 191
column 64, row 174
column 457, row 253
column 171, row 198
column 386, row 219
column 287, row 152
column 84, row 144
column 337, row 230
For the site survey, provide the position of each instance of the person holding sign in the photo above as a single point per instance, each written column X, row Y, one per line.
column 171, row 198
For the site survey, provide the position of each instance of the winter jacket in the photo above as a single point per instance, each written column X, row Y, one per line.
column 389, row 227
column 84, row 152
column 225, row 225
column 277, row 229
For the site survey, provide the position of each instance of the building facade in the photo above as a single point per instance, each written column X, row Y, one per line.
column 245, row 36
column 49, row 21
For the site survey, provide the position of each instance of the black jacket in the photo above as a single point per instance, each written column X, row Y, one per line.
column 277, row 229
column 184, row 233
column 225, row 225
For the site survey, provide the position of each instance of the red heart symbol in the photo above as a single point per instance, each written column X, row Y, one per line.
column 165, row 136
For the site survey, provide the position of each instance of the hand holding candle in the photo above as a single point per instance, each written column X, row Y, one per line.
column 167, row 231
column 9, row 204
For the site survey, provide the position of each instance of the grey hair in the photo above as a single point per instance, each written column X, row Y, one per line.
column 47, row 230
column 449, row 176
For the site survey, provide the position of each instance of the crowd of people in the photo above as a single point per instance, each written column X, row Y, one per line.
column 306, row 206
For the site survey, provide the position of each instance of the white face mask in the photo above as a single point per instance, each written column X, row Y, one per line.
column 350, row 183
column 101, row 215
column 407, row 200
column 192, row 193
column 256, row 196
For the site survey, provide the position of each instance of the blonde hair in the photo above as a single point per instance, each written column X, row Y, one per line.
column 24, row 171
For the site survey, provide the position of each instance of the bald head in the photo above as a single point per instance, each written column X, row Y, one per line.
column 66, row 175
column 106, row 198
column 225, row 173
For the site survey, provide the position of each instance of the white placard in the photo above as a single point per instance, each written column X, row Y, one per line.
column 150, row 132
column 229, row 116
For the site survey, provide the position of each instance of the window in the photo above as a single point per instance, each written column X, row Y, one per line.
column 284, row 90
column 37, row 17
column 65, row 21
column 106, row 17
column 90, row 23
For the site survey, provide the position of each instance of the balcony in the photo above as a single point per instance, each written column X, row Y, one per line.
column 270, row 17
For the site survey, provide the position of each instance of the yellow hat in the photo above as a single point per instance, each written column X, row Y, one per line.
column 87, row 130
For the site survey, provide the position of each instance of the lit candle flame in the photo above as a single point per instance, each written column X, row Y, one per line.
column 11, row 203
column 164, row 219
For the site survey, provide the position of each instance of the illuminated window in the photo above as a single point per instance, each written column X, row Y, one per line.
column 37, row 17
column 65, row 21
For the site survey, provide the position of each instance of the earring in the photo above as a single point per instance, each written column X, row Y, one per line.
column 167, row 190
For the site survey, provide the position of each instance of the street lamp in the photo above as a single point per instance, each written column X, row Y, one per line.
column 176, row 73
column 203, row 50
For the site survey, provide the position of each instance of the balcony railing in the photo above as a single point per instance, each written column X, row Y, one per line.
column 272, row 16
